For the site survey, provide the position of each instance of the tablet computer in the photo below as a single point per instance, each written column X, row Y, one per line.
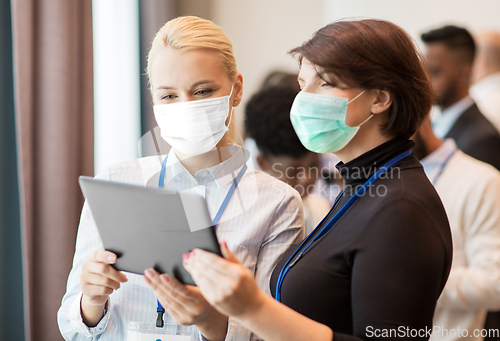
column 149, row 227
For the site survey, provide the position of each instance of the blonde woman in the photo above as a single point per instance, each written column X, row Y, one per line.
column 194, row 84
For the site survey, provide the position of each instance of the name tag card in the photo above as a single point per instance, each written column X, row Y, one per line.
column 143, row 331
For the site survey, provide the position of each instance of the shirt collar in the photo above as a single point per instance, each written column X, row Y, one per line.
column 221, row 174
column 443, row 123
column 433, row 162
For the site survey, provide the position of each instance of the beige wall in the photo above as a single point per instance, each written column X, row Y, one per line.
column 262, row 31
column 419, row 16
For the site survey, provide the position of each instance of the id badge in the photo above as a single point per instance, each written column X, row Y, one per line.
column 143, row 331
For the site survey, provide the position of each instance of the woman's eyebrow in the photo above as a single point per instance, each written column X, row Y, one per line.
column 169, row 87
column 165, row 87
column 202, row 82
column 327, row 76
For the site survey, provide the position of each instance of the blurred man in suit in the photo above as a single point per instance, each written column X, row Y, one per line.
column 450, row 52
column 486, row 76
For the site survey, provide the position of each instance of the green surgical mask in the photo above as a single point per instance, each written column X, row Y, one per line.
column 319, row 121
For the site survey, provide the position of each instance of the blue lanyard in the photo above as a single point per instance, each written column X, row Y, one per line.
column 441, row 169
column 160, row 310
column 334, row 219
column 229, row 194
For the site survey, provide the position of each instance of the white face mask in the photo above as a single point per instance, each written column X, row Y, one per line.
column 194, row 127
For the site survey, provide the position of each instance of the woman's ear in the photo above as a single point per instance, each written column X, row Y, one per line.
column 382, row 102
column 238, row 90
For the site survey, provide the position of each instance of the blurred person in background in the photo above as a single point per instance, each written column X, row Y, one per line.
column 281, row 79
column 267, row 122
column 450, row 52
column 450, row 56
column 470, row 192
column 486, row 76
column 329, row 183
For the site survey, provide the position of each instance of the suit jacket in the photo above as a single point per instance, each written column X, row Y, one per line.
column 476, row 136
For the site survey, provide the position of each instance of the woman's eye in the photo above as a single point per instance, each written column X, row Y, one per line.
column 167, row 97
column 202, row 92
column 334, row 85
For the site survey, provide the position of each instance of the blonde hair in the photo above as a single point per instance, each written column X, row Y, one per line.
column 190, row 32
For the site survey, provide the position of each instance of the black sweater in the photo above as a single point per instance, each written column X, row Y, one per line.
column 378, row 272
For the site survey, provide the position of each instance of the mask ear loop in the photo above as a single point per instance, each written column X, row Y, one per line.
column 365, row 120
column 232, row 108
column 230, row 113
column 352, row 100
column 230, row 117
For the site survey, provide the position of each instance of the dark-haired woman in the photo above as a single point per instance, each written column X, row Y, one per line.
column 376, row 264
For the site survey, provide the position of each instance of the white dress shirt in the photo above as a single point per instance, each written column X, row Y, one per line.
column 470, row 192
column 442, row 123
column 486, row 94
column 261, row 221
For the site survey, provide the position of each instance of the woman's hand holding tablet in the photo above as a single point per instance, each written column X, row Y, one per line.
column 98, row 280
column 186, row 305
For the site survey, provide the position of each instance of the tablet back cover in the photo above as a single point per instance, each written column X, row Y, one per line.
column 149, row 227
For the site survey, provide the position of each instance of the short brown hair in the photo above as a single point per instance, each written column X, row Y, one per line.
column 456, row 39
column 375, row 54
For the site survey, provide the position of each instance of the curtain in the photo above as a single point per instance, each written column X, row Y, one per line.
column 153, row 14
column 11, row 292
column 52, row 41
